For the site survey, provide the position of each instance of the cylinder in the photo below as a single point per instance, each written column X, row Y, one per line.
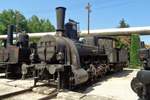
column 60, row 13
column 10, row 34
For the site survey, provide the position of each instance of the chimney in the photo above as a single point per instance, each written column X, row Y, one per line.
column 60, row 13
column 10, row 30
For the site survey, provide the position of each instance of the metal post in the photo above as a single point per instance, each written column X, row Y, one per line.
column 88, row 7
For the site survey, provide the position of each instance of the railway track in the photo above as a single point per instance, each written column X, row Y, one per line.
column 11, row 94
column 23, row 89
column 25, row 93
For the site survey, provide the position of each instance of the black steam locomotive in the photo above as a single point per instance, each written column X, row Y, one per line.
column 66, row 59
column 141, row 83
column 69, row 61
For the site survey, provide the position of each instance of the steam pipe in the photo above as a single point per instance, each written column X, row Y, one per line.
column 102, row 32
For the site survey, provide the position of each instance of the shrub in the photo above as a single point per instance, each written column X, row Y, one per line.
column 134, row 51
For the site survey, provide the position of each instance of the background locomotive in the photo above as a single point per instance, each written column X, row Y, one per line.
column 66, row 59
column 141, row 83
column 13, row 55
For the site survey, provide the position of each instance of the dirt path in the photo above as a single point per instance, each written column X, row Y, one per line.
column 116, row 86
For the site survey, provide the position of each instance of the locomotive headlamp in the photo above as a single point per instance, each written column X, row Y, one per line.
column 60, row 56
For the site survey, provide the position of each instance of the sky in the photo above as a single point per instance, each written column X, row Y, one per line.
column 105, row 13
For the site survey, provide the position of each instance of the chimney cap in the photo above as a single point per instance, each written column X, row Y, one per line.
column 60, row 8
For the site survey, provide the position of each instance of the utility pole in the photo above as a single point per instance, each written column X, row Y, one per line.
column 88, row 8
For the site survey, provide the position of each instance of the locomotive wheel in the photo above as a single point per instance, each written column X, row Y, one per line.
column 137, row 86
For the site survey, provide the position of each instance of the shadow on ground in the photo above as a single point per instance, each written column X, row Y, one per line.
column 121, row 74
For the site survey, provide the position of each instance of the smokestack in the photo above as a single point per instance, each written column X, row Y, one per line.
column 60, row 13
column 10, row 30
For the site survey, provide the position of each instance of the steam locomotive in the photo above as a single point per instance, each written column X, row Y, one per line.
column 12, row 56
column 69, row 61
column 141, row 83
column 66, row 59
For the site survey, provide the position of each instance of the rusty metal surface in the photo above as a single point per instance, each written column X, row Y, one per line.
column 13, row 52
column 3, row 55
column 123, row 55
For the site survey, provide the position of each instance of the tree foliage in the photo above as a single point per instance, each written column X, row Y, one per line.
column 8, row 17
column 123, row 41
column 121, row 44
column 134, row 51
column 123, row 24
column 35, row 24
column 32, row 25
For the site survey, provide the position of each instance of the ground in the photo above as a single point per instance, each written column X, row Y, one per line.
column 111, row 87
column 116, row 86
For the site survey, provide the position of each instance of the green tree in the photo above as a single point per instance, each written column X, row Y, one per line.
column 47, row 26
column 8, row 17
column 123, row 41
column 134, row 51
column 32, row 25
column 123, row 24
column 35, row 24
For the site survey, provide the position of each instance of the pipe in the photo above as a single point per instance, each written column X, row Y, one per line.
column 102, row 32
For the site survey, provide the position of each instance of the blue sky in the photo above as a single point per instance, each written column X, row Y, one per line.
column 105, row 13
